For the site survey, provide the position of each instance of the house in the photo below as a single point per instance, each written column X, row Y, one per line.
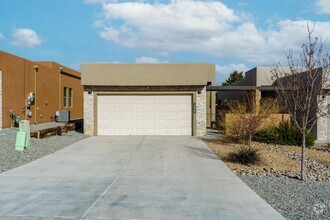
column 256, row 77
column 36, row 90
column 148, row 99
column 319, row 110
column 260, row 80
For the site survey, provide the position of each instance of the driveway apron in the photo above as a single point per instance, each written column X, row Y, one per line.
column 130, row 177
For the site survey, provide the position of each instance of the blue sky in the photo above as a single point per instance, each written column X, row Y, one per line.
column 233, row 34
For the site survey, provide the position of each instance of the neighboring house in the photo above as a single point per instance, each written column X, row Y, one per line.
column 147, row 99
column 55, row 87
column 258, row 76
column 321, row 129
column 262, row 77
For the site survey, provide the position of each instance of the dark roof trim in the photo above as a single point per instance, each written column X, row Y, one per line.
column 240, row 88
column 70, row 74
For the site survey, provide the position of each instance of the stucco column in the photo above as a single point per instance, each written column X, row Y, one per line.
column 88, row 113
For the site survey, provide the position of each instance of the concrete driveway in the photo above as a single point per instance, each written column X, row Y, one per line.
column 136, row 177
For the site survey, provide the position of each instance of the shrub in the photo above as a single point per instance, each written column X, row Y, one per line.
column 245, row 155
column 285, row 134
column 246, row 118
column 310, row 139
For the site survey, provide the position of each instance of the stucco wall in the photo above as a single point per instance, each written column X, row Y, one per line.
column 258, row 76
column 88, row 113
column 76, row 111
column 71, row 79
column 19, row 77
column 169, row 74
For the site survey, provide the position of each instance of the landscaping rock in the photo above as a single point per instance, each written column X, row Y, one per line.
column 293, row 198
column 10, row 158
column 313, row 169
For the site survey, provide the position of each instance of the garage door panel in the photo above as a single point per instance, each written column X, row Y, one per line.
column 144, row 115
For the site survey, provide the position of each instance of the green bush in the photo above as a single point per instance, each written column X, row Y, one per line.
column 245, row 155
column 285, row 134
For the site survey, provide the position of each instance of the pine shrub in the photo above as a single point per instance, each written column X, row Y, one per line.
column 284, row 134
column 245, row 155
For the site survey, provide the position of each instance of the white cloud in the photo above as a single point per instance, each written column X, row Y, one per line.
column 2, row 36
column 124, row 35
column 148, row 60
column 164, row 26
column 223, row 72
column 25, row 37
column 323, row 6
column 227, row 69
column 208, row 27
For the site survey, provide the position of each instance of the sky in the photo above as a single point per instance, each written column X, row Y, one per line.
column 233, row 34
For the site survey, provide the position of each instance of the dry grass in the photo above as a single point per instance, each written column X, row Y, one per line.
column 270, row 158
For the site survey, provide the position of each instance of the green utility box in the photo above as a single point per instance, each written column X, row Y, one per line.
column 24, row 126
column 20, row 141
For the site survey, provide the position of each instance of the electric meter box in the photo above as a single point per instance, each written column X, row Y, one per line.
column 24, row 126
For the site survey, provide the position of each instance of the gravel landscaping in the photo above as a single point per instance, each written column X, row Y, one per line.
column 275, row 179
column 10, row 158
column 293, row 198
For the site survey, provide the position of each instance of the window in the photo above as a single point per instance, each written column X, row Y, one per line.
column 70, row 97
column 65, row 96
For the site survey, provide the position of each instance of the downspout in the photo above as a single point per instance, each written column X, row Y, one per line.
column 59, row 88
column 211, row 115
column 210, row 104
column 1, row 99
column 35, row 93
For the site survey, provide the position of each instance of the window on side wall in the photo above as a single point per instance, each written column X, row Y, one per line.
column 70, row 97
column 65, row 95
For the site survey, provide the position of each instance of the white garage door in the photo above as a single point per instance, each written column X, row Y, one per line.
column 144, row 115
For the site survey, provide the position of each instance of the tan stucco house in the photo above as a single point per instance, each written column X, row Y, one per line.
column 54, row 87
column 261, row 78
column 147, row 99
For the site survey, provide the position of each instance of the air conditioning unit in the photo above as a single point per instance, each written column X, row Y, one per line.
column 62, row 116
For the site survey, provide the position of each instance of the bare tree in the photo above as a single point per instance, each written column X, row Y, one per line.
column 303, row 87
column 247, row 118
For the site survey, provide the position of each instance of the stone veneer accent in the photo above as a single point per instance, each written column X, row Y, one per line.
column 322, row 130
column 200, row 104
column 322, row 124
column 88, row 113
column 0, row 99
column 201, row 113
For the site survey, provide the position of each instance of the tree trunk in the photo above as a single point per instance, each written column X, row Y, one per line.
column 302, row 164
column 250, row 139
